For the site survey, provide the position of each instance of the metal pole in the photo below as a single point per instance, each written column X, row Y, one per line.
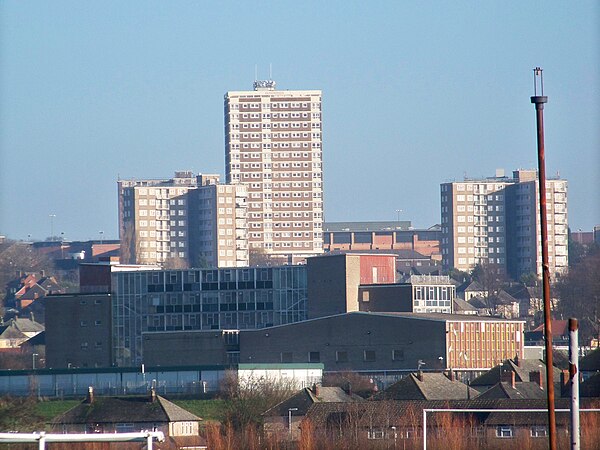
column 424, row 429
column 42, row 441
column 149, row 442
column 539, row 101
column 574, row 381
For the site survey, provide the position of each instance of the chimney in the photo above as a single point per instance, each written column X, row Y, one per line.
column 451, row 375
column 152, row 394
column 349, row 389
column 90, row 395
column 536, row 377
column 508, row 376
column 32, row 317
column 420, row 375
column 516, row 360
column 315, row 389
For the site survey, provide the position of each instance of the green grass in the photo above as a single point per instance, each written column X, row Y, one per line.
column 51, row 408
column 206, row 409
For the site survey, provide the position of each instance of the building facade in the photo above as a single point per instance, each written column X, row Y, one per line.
column 357, row 341
column 495, row 221
column 183, row 221
column 181, row 300
column 273, row 145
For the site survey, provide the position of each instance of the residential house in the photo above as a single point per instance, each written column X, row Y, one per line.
column 427, row 386
column 285, row 418
column 126, row 414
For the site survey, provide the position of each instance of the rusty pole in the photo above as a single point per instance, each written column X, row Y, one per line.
column 539, row 101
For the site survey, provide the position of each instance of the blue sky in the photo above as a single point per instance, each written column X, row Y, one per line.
column 414, row 94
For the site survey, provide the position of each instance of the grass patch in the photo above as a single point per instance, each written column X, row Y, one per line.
column 49, row 409
column 206, row 409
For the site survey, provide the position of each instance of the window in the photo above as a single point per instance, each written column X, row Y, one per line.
column 375, row 434
column 341, row 356
column 504, row 431
column 397, row 355
column 314, row 357
column 287, row 357
column 369, row 355
column 539, row 431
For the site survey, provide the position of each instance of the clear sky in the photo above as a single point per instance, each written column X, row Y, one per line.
column 414, row 94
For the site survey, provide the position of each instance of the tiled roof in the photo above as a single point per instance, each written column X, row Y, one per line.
column 434, row 386
column 126, row 409
column 400, row 413
column 591, row 361
column 522, row 370
column 306, row 397
column 525, row 389
column 590, row 387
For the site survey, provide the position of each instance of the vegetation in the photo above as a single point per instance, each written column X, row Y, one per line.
column 579, row 294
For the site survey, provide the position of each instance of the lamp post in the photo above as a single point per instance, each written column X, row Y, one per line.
column 395, row 436
column 33, row 355
column 52, row 216
column 290, row 420
column 101, row 235
column 539, row 101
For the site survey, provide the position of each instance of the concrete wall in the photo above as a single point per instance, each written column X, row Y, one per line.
column 355, row 334
column 386, row 298
column 78, row 330
column 184, row 348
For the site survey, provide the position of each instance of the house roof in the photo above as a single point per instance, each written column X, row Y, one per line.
column 306, row 397
column 522, row 370
column 125, row 409
column 11, row 332
column 461, row 305
column 427, row 386
column 591, row 386
column 409, row 413
column 524, row 389
column 559, row 328
column 591, row 361
column 27, row 325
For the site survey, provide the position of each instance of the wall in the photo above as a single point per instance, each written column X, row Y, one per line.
column 353, row 333
column 78, row 330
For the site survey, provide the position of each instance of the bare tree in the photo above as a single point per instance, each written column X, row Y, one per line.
column 579, row 295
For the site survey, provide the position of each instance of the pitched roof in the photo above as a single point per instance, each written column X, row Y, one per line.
column 559, row 327
column 524, row 389
column 522, row 371
column 591, row 386
column 125, row 409
column 427, row 386
column 400, row 413
column 306, row 397
column 591, row 361
column 27, row 325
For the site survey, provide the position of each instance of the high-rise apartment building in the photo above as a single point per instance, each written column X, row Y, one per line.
column 495, row 221
column 183, row 221
column 273, row 143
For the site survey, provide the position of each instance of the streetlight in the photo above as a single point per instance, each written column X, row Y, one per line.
column 290, row 420
column 398, row 211
column 101, row 235
column 52, row 216
column 395, row 435
column 33, row 355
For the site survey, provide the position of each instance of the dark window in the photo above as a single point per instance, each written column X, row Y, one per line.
column 369, row 355
column 341, row 356
column 314, row 357
column 397, row 355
